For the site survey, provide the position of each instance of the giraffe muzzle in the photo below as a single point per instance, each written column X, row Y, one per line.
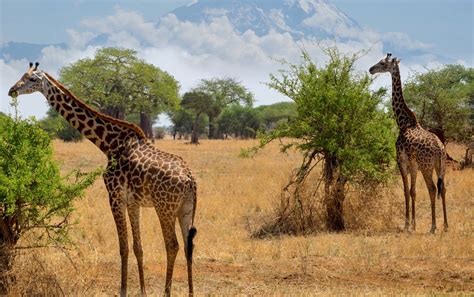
column 12, row 92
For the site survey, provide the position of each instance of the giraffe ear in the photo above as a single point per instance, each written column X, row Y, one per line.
column 396, row 60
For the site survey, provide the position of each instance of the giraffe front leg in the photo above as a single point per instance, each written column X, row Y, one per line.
column 118, row 211
column 402, row 165
column 134, row 216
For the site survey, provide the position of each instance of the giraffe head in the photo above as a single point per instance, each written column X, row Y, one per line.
column 30, row 82
column 387, row 64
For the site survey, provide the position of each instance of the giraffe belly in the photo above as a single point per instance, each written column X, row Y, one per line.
column 140, row 197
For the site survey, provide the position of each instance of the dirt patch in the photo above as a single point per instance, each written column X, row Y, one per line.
column 319, row 273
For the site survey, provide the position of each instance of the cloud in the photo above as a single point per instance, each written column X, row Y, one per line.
column 194, row 51
column 402, row 41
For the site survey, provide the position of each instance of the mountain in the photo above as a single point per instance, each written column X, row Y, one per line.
column 313, row 20
column 300, row 18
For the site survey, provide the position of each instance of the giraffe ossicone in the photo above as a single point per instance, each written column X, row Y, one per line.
column 417, row 149
column 138, row 175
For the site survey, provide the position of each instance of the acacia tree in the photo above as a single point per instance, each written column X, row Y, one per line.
column 201, row 104
column 443, row 100
column 119, row 84
column 34, row 199
column 182, row 123
column 155, row 91
column 338, row 123
column 224, row 92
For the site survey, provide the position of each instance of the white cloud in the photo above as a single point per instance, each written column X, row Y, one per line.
column 402, row 41
column 191, row 52
column 215, row 11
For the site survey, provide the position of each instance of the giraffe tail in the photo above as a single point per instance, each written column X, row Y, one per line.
column 190, row 246
column 192, row 230
column 440, row 186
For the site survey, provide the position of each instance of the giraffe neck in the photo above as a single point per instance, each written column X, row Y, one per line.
column 107, row 133
column 404, row 116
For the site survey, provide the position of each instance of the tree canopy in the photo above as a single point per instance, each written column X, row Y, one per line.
column 119, row 84
column 201, row 104
column 223, row 92
column 277, row 113
column 241, row 121
column 338, row 122
column 443, row 99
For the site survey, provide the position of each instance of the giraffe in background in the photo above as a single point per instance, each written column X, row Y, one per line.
column 138, row 175
column 416, row 148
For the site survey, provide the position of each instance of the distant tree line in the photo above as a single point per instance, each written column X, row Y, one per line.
column 116, row 82
column 233, row 121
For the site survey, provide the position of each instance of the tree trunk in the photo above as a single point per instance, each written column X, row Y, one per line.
column 146, row 125
column 115, row 112
column 212, row 128
column 334, row 192
column 6, row 264
column 8, row 239
column 195, row 133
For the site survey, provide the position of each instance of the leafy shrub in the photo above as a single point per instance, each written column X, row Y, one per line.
column 34, row 198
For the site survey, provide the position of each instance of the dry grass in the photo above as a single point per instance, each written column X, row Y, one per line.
column 234, row 196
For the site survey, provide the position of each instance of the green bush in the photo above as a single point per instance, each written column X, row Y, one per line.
column 339, row 123
column 34, row 199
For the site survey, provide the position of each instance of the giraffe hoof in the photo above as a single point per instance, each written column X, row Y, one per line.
column 433, row 229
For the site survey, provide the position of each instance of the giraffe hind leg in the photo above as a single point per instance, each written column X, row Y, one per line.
column 185, row 217
column 440, row 171
column 413, row 172
column 445, row 216
column 167, row 221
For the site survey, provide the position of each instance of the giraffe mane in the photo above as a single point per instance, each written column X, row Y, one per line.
column 82, row 104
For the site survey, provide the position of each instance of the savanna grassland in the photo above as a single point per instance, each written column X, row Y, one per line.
column 235, row 196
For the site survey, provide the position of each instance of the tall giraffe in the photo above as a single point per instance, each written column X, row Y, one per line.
column 137, row 175
column 416, row 148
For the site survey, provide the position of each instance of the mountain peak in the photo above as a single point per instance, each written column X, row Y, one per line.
column 310, row 18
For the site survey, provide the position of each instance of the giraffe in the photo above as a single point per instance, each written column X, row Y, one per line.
column 138, row 175
column 416, row 148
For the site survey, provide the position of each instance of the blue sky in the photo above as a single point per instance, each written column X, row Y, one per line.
column 437, row 29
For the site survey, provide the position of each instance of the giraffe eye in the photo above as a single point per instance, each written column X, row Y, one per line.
column 33, row 79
